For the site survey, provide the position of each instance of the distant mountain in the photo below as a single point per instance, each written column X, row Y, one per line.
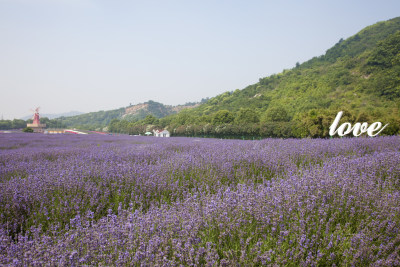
column 92, row 120
column 359, row 75
column 100, row 119
column 158, row 110
column 54, row 116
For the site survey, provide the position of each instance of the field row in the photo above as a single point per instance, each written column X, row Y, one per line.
column 117, row 200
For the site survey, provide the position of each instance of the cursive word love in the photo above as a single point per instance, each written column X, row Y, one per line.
column 358, row 128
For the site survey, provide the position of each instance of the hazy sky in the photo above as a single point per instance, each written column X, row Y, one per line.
column 91, row 55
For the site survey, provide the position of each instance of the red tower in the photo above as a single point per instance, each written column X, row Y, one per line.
column 35, row 125
column 36, row 119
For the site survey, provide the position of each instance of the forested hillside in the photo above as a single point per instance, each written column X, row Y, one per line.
column 156, row 109
column 100, row 119
column 93, row 120
column 359, row 75
column 133, row 113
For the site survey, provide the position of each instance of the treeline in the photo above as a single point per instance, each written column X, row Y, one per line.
column 93, row 120
column 248, row 124
column 302, row 102
column 20, row 124
column 12, row 124
column 100, row 119
column 360, row 76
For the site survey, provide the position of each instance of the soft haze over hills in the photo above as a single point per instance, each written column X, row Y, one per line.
column 98, row 120
column 359, row 75
column 91, row 55
column 55, row 116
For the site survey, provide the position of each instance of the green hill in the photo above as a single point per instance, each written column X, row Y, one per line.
column 100, row 119
column 158, row 110
column 92, row 120
column 359, row 75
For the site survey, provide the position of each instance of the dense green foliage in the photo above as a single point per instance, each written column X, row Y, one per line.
column 360, row 75
column 53, row 123
column 12, row 124
column 27, row 130
column 99, row 120
column 20, row 124
column 93, row 120
column 152, row 108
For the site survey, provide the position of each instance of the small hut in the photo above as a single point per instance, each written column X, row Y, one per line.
column 163, row 133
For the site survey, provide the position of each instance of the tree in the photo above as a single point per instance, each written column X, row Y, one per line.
column 222, row 117
column 5, row 124
column 18, row 124
column 28, row 130
column 247, row 115
column 277, row 113
column 394, row 126
column 150, row 119
column 113, row 127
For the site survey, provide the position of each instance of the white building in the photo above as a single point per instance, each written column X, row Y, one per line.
column 163, row 133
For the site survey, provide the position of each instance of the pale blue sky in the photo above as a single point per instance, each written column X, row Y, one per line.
column 91, row 55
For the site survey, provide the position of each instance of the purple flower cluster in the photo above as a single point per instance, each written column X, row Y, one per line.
column 122, row 200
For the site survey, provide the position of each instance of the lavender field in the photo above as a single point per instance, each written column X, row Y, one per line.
column 145, row 201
